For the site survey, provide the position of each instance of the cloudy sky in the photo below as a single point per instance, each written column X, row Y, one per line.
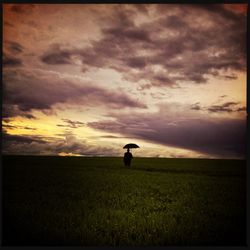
column 85, row 79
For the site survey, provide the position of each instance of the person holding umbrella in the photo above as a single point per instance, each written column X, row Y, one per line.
column 127, row 155
column 127, row 158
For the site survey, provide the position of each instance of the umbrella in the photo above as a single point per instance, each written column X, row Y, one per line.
column 131, row 145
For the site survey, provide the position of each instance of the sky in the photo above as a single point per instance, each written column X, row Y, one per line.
column 85, row 79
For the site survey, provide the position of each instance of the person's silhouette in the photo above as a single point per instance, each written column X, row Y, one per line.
column 127, row 158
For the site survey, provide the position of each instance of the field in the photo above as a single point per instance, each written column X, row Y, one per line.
column 78, row 201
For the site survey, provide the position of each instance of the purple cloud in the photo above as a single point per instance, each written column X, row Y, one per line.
column 10, row 61
column 224, row 107
column 13, row 47
column 24, row 91
column 192, row 52
column 217, row 137
column 71, row 124
column 37, row 145
column 57, row 56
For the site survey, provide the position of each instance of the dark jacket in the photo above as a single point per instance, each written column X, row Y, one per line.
column 127, row 158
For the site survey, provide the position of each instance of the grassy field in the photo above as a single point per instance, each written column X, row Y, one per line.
column 77, row 201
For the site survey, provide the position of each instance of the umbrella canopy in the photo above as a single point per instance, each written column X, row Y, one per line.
column 131, row 145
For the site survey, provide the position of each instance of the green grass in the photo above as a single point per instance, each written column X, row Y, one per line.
column 81, row 201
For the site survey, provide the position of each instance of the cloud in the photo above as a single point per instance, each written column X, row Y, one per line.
column 9, row 61
column 19, row 139
column 8, row 126
column 241, row 109
column 56, row 55
column 186, row 41
column 196, row 106
column 12, row 54
column 71, row 124
column 24, row 91
column 179, row 127
column 224, row 107
column 11, row 110
column 113, row 137
column 13, row 47
column 136, row 62
column 57, row 58
column 37, row 145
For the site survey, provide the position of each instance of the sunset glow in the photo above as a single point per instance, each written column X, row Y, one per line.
column 85, row 79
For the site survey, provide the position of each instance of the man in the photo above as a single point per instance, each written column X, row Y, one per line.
column 127, row 158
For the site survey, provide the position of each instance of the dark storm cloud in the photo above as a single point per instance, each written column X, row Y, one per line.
column 37, row 145
column 193, row 51
column 12, row 110
column 7, row 138
column 24, row 91
column 217, row 137
column 24, row 144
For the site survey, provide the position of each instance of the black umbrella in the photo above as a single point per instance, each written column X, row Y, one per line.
column 131, row 145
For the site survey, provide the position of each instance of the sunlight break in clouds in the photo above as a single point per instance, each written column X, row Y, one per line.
column 85, row 79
